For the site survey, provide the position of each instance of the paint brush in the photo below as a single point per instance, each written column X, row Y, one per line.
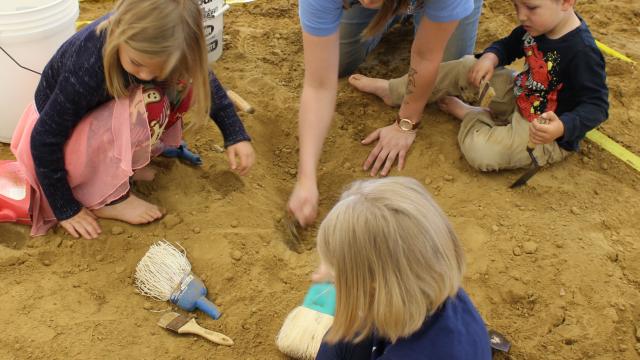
column 182, row 324
column 305, row 326
column 486, row 94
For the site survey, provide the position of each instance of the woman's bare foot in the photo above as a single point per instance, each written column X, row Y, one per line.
column 132, row 210
column 375, row 86
column 144, row 174
column 456, row 107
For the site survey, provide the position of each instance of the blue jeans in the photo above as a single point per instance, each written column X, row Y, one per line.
column 354, row 49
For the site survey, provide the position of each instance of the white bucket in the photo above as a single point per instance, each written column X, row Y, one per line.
column 30, row 31
column 212, row 12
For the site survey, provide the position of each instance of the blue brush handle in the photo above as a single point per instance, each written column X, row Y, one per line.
column 321, row 297
column 191, row 294
column 208, row 307
column 183, row 152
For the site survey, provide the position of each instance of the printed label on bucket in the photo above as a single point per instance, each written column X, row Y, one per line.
column 210, row 8
column 212, row 15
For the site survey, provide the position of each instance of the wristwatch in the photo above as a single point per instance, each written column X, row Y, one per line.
column 406, row 124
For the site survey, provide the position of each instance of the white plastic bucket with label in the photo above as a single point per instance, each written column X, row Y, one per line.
column 212, row 13
column 30, row 33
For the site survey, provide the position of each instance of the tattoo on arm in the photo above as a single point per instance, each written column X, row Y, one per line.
column 411, row 81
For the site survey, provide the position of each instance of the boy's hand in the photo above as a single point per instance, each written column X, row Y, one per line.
column 82, row 224
column 483, row 69
column 547, row 129
column 244, row 152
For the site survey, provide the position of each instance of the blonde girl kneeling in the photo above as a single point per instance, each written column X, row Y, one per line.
column 112, row 97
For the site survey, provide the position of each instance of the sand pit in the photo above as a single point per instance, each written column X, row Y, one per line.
column 553, row 265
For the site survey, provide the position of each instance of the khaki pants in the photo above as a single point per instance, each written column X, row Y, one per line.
column 488, row 142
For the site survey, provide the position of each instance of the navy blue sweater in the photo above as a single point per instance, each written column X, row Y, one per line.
column 454, row 332
column 576, row 71
column 71, row 86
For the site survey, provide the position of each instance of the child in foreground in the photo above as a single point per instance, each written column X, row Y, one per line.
column 559, row 96
column 112, row 97
column 397, row 267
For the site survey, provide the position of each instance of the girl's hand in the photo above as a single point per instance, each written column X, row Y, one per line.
column 82, row 224
column 547, row 129
column 244, row 152
column 323, row 274
column 483, row 69
column 392, row 142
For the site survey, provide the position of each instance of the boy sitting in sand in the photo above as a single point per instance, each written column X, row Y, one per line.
column 559, row 96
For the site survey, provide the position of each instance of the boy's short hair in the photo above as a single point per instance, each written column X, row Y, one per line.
column 395, row 257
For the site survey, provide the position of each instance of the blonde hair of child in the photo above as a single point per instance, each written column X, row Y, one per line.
column 388, row 9
column 168, row 29
column 395, row 257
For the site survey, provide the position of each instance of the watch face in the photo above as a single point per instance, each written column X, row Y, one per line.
column 405, row 124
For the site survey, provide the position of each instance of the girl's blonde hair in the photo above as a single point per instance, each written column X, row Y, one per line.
column 168, row 29
column 395, row 257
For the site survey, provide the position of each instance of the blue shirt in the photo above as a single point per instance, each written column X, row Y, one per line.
column 454, row 332
column 322, row 17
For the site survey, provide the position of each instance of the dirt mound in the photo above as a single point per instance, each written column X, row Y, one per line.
column 554, row 265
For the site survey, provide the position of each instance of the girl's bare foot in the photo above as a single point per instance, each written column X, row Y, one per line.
column 456, row 107
column 144, row 174
column 132, row 210
column 375, row 86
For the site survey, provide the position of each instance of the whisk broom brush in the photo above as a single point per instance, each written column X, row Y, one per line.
column 164, row 273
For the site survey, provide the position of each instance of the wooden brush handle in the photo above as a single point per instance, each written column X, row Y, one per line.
column 239, row 102
column 193, row 328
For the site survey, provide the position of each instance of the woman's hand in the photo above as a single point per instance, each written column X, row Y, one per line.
column 241, row 157
column 393, row 143
column 82, row 224
column 303, row 203
column 483, row 69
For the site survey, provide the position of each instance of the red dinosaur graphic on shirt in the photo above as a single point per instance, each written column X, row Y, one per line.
column 536, row 87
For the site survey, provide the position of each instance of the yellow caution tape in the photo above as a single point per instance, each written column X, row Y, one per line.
column 614, row 148
column 609, row 51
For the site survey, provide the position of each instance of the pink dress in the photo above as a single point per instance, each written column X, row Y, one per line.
column 104, row 149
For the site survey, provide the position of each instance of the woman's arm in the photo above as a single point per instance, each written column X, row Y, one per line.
column 426, row 54
column 317, row 105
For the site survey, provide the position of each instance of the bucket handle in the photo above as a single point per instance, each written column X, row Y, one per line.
column 17, row 63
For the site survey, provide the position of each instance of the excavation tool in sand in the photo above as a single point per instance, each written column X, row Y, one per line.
column 15, row 193
column 182, row 324
column 498, row 342
column 293, row 232
column 535, row 166
column 164, row 273
column 305, row 326
column 240, row 103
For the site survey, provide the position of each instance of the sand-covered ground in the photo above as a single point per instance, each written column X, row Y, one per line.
column 555, row 266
